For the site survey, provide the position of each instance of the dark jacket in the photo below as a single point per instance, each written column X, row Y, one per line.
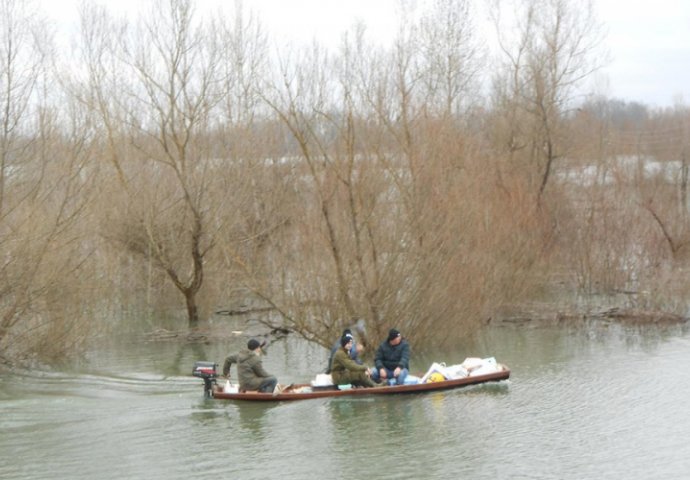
column 250, row 371
column 393, row 356
column 343, row 366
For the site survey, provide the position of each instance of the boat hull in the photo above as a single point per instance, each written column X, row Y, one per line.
column 293, row 393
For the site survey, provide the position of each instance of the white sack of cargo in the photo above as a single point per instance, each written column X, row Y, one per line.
column 483, row 366
column 322, row 380
column 454, row 372
column 435, row 368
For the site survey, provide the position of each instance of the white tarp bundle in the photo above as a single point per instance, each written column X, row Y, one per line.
column 480, row 366
column 470, row 367
column 435, row 368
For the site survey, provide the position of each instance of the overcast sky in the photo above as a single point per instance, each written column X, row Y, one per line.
column 648, row 40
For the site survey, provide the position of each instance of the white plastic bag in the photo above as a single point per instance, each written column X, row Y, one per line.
column 456, row 371
column 434, row 368
column 322, row 380
column 487, row 365
column 471, row 363
column 230, row 388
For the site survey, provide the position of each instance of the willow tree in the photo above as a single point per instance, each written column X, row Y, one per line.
column 45, row 153
column 166, row 91
column 385, row 167
column 548, row 49
column 452, row 58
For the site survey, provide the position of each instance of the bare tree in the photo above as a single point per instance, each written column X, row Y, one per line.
column 176, row 95
column 451, row 56
column 101, row 87
column 244, row 52
column 399, row 213
column 548, row 54
column 167, row 69
column 44, row 186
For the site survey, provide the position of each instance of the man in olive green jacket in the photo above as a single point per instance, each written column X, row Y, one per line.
column 250, row 371
column 344, row 370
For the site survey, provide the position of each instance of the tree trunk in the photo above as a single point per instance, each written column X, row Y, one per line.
column 192, row 309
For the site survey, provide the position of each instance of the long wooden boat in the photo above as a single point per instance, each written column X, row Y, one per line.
column 306, row 391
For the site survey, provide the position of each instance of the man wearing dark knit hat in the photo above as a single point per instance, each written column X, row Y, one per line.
column 392, row 359
column 250, row 371
column 355, row 349
column 347, row 371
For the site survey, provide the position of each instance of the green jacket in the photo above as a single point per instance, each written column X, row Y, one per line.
column 342, row 366
column 250, row 371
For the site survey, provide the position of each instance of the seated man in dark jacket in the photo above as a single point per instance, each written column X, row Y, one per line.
column 250, row 371
column 392, row 359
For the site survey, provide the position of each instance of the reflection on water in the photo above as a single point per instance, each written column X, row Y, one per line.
column 605, row 401
column 253, row 419
column 183, row 353
column 206, row 412
column 369, row 419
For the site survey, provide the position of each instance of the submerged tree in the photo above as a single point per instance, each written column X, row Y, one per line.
column 44, row 188
column 178, row 93
column 400, row 216
column 548, row 54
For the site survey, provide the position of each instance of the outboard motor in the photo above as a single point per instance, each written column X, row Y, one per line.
column 207, row 372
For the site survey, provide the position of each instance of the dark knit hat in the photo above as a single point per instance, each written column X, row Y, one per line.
column 345, row 339
column 253, row 344
column 393, row 334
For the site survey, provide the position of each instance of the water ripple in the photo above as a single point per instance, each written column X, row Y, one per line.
column 607, row 405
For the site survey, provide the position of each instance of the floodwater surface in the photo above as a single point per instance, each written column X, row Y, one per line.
column 602, row 402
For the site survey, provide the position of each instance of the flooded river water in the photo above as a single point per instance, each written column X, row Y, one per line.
column 602, row 402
